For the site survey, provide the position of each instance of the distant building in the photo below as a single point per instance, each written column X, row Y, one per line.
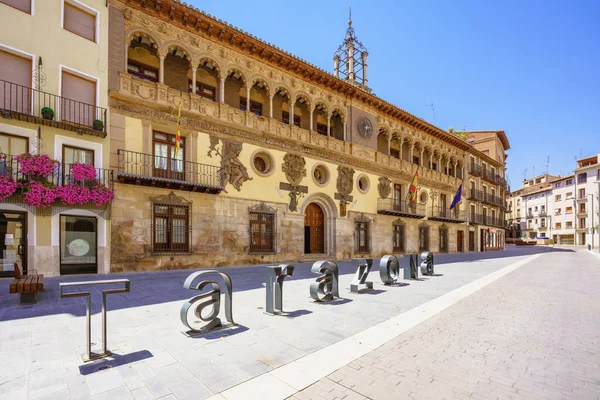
column 587, row 188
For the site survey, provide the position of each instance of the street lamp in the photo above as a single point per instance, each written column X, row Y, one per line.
column 592, row 211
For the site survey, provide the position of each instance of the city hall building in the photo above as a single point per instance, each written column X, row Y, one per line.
column 278, row 159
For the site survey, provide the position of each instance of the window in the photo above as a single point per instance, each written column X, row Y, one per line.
column 255, row 106
column 536, row 208
column 203, row 90
column 443, row 239
column 285, row 118
column 582, row 178
column 141, row 71
column 363, row 184
column 598, row 176
column 416, row 160
column 569, row 210
column 423, row 237
column 23, row 5
column 321, row 175
column 582, row 223
column 322, row 129
column 166, row 164
column 361, row 234
column 13, row 145
column 14, row 92
column 558, row 211
column 569, row 195
column 79, row 21
column 582, row 208
column 569, row 225
column 557, row 197
column 433, row 165
column 582, row 193
column 398, row 237
column 170, row 228
column 262, row 163
column 72, row 155
column 396, row 153
column 78, row 244
column 262, row 229
column 79, row 99
column 569, row 182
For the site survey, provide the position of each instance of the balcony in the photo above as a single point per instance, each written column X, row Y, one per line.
column 475, row 218
column 475, row 170
column 156, row 171
column 488, row 198
column 400, row 208
column 491, row 177
column 447, row 215
column 582, row 213
column 474, row 194
column 529, row 215
column 582, row 199
column 25, row 104
column 542, row 214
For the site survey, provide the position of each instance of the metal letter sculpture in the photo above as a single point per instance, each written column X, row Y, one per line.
column 88, row 311
column 211, row 299
column 389, row 270
column 427, row 264
column 410, row 266
column 325, row 288
column 360, row 277
column 275, row 277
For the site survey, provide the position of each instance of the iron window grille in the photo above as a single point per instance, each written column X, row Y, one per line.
column 423, row 237
column 443, row 239
column 398, row 236
column 263, row 229
column 171, row 227
column 362, row 234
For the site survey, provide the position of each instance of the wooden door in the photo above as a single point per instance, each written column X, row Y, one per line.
column 471, row 241
column 459, row 241
column 314, row 223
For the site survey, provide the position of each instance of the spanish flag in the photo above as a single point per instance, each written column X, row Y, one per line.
column 178, row 135
column 412, row 190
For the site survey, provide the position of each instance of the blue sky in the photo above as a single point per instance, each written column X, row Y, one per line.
column 529, row 67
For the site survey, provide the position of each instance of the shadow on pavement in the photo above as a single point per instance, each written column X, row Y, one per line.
column 114, row 360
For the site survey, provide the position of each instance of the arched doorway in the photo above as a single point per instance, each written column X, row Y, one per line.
column 314, row 229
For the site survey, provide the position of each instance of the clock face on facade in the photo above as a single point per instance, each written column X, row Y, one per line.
column 365, row 128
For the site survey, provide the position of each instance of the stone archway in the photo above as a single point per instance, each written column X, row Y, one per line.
column 330, row 215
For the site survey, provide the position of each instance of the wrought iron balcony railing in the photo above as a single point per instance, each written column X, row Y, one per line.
column 141, row 168
column 446, row 214
column 475, row 169
column 491, row 177
column 401, row 208
column 25, row 103
column 475, row 218
column 475, row 194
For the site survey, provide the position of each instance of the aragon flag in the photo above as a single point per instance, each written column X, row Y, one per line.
column 178, row 135
column 412, row 190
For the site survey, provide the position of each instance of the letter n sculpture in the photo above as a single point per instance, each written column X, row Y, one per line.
column 325, row 288
column 427, row 263
column 389, row 270
column 411, row 270
column 275, row 277
column 194, row 307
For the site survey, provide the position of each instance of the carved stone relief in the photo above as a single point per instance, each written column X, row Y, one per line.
column 232, row 169
column 345, row 183
column 384, row 187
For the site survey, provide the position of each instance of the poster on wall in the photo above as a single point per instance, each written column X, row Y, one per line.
column 9, row 258
column 9, row 239
column 78, row 247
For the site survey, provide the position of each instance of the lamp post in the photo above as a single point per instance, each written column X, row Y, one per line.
column 592, row 211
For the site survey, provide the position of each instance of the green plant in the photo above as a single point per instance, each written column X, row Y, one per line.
column 98, row 122
column 48, row 110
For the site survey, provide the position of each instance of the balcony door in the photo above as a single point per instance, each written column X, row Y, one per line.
column 78, row 103
column 397, row 196
column 15, row 83
column 443, row 212
column 72, row 155
column 166, row 164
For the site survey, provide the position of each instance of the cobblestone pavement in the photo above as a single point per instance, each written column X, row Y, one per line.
column 533, row 334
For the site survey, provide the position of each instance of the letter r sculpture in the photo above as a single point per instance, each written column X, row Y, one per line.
column 275, row 277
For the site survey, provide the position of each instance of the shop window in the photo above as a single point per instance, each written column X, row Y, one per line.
column 362, row 234
column 78, row 244
column 263, row 229
column 79, row 21
column 399, row 237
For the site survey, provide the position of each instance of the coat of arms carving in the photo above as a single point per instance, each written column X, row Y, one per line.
column 384, row 187
column 345, row 184
column 294, row 168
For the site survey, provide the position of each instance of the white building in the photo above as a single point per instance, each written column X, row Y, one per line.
column 563, row 213
column 587, row 187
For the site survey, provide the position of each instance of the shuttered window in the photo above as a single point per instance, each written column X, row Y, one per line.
column 15, row 82
column 80, row 22
column 23, row 5
column 78, row 105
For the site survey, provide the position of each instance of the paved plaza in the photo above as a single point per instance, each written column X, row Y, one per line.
column 532, row 333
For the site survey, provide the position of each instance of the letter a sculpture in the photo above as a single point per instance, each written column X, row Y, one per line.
column 210, row 299
column 325, row 288
column 275, row 277
column 389, row 270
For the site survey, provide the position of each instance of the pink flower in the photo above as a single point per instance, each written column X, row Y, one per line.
column 77, row 194
column 39, row 195
column 37, row 165
column 7, row 187
column 83, row 172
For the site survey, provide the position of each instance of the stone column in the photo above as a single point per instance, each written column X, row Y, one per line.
column 222, row 90
column 345, row 134
column 194, row 69
column 328, row 125
column 312, row 110
column 351, row 61
column 421, row 158
column 161, row 69
column 336, row 66
column 271, row 96
column 291, row 121
column 248, row 98
column 389, row 144
column 364, row 56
